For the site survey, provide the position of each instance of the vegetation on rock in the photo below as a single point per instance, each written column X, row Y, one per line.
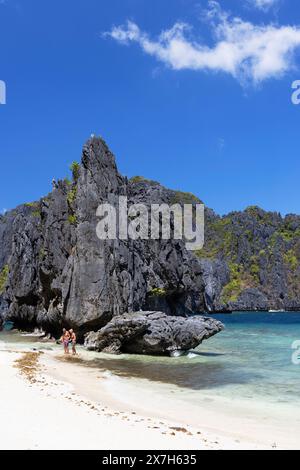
column 71, row 196
column 3, row 278
column 158, row 292
column 262, row 251
column 142, row 179
column 75, row 168
column 72, row 219
column 180, row 197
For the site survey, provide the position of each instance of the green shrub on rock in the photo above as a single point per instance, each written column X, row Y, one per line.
column 3, row 278
column 75, row 168
column 72, row 195
column 72, row 219
column 157, row 292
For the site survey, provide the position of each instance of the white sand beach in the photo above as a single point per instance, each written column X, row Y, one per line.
column 48, row 414
column 49, row 403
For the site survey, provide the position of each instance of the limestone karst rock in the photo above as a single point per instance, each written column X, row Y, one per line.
column 54, row 270
column 152, row 333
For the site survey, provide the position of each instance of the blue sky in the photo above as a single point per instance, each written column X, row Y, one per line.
column 186, row 108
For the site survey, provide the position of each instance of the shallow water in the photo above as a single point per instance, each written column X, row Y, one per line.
column 251, row 359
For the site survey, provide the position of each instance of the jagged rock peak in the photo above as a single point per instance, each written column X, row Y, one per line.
column 96, row 153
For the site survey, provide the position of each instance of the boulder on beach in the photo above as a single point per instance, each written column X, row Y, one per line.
column 152, row 333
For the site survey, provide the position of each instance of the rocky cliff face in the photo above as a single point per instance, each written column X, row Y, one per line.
column 54, row 271
column 250, row 261
column 60, row 273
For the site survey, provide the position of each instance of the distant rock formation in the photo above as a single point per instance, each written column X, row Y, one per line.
column 250, row 261
column 54, row 271
column 152, row 333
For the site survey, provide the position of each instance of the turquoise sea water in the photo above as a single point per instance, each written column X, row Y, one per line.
column 251, row 359
column 256, row 355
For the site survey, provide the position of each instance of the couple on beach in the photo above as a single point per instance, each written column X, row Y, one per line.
column 69, row 338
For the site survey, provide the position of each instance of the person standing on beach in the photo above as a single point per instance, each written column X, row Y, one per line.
column 73, row 341
column 65, row 340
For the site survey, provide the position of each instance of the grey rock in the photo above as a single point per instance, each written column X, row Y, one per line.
column 61, row 274
column 216, row 275
column 261, row 253
column 152, row 333
column 249, row 300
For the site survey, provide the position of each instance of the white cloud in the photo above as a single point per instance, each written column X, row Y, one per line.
column 263, row 4
column 242, row 49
